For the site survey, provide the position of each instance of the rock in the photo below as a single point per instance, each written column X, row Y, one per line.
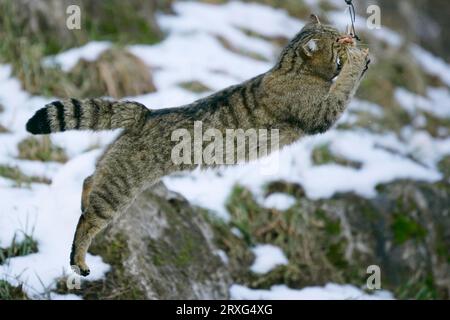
column 161, row 248
column 405, row 230
column 116, row 73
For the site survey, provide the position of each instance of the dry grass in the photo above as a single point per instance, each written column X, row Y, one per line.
column 195, row 86
column 20, row 179
column 41, row 149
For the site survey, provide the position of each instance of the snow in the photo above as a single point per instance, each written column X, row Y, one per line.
column 68, row 59
column 328, row 292
column 432, row 64
column 267, row 257
column 192, row 52
column 437, row 101
column 53, row 212
column 279, row 201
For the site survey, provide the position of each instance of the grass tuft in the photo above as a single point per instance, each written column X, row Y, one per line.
column 14, row 173
column 19, row 248
column 41, row 149
column 9, row 292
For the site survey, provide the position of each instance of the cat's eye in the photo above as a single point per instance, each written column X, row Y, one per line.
column 339, row 63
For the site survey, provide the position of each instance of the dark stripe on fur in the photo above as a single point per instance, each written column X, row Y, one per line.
column 60, row 115
column 95, row 114
column 76, row 113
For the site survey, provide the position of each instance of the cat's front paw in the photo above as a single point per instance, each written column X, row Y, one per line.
column 79, row 266
column 360, row 58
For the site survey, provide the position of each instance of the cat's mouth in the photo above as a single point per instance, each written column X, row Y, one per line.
column 346, row 39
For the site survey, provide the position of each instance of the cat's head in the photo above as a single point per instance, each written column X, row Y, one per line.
column 317, row 49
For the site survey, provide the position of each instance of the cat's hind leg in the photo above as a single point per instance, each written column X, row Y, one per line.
column 105, row 195
column 87, row 187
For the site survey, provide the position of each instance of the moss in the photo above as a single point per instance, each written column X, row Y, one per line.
column 332, row 226
column 19, row 178
column 41, row 149
column 162, row 255
column 18, row 248
column 405, row 228
column 322, row 155
column 9, row 292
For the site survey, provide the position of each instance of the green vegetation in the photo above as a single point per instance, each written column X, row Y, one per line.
column 444, row 166
column 25, row 44
column 312, row 242
column 405, row 228
column 316, row 238
column 19, row 177
column 18, row 248
column 9, row 292
column 322, row 155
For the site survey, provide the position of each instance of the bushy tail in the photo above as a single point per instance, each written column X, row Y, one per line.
column 89, row 114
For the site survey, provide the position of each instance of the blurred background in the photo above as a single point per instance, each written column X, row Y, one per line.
column 373, row 191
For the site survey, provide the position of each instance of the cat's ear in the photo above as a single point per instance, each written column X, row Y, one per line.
column 310, row 48
column 315, row 19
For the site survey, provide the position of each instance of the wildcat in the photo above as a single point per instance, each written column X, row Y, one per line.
column 305, row 93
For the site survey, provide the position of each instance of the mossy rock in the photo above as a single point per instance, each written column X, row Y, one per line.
column 116, row 73
column 404, row 230
column 161, row 248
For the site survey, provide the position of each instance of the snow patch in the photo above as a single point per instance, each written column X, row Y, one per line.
column 267, row 257
column 328, row 292
column 68, row 59
column 279, row 201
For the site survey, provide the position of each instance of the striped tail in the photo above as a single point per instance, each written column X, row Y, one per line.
column 89, row 114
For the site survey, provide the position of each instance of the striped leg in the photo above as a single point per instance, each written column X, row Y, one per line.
column 104, row 198
column 87, row 187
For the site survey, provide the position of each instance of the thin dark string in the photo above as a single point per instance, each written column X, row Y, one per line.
column 351, row 9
